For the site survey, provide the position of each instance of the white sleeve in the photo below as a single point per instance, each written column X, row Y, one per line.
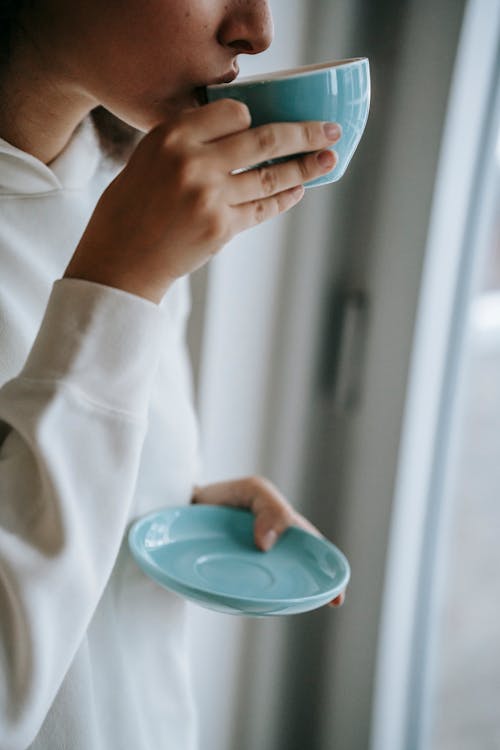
column 71, row 430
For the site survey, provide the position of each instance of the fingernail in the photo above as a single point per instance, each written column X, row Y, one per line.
column 269, row 539
column 326, row 159
column 332, row 130
column 338, row 601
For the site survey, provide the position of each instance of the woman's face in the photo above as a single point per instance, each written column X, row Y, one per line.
column 144, row 59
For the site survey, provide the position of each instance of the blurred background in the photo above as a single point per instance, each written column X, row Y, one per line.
column 350, row 352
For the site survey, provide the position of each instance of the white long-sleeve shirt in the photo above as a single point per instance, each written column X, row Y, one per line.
column 96, row 428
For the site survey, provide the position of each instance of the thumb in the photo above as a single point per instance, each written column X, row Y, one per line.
column 268, row 527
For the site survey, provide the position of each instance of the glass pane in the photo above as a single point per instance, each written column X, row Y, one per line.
column 466, row 705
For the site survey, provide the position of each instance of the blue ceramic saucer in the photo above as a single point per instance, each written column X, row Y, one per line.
column 206, row 553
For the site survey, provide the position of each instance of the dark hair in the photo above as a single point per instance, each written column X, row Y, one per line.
column 116, row 137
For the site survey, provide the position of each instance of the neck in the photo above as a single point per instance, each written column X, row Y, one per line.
column 39, row 109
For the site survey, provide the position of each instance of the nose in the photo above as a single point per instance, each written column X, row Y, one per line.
column 247, row 27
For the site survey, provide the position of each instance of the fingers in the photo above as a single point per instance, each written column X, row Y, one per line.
column 272, row 517
column 338, row 601
column 244, row 199
column 273, row 179
column 275, row 140
column 264, row 193
column 273, row 514
column 259, row 211
column 216, row 120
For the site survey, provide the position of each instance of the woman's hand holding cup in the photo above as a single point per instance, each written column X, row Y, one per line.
column 182, row 195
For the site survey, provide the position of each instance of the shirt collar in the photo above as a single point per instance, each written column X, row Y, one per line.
column 23, row 174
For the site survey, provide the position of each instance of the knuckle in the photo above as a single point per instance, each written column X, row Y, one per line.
column 256, row 483
column 260, row 485
column 303, row 167
column 238, row 111
column 206, row 210
column 213, row 229
column 266, row 139
column 309, row 134
column 170, row 136
column 188, row 172
column 215, row 225
column 201, row 202
column 161, row 130
column 268, row 180
column 272, row 506
column 259, row 212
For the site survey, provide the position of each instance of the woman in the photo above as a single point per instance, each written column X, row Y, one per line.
column 96, row 419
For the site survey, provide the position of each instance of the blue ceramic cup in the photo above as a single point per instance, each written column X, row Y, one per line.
column 334, row 91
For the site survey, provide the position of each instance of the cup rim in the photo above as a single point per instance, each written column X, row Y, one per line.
column 298, row 72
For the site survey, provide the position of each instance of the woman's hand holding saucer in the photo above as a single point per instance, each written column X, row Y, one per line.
column 273, row 513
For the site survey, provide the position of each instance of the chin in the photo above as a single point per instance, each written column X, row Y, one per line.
column 163, row 110
column 192, row 100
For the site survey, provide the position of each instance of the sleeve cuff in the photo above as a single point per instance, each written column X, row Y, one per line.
column 103, row 341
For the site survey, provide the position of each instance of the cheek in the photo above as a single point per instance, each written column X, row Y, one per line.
column 133, row 72
column 156, row 61
column 146, row 70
